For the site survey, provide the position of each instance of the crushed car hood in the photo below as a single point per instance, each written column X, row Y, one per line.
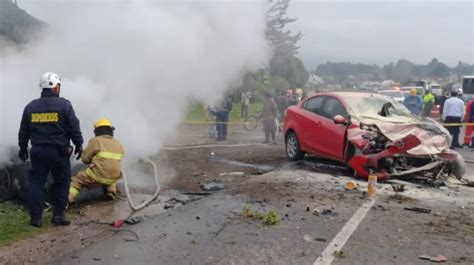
column 434, row 137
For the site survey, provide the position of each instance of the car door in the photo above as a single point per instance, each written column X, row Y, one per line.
column 330, row 137
column 310, row 123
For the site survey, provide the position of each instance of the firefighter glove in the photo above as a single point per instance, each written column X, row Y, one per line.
column 23, row 154
column 78, row 152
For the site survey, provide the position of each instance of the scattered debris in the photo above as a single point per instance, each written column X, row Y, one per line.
column 417, row 209
column 400, row 198
column 308, row 238
column 321, row 239
column 439, row 258
column 74, row 257
column 268, row 218
column 213, row 186
column 133, row 220
column 179, row 200
column 97, row 259
column 350, row 185
column 339, row 254
column 118, row 223
column 398, row 187
column 328, row 212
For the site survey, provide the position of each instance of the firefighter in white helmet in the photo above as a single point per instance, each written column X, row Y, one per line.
column 103, row 155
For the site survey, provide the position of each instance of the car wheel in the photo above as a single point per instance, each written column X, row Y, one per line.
column 293, row 151
column 459, row 166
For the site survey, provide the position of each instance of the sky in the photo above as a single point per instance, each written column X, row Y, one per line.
column 378, row 32
column 373, row 32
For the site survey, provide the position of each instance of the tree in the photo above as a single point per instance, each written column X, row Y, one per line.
column 282, row 40
column 291, row 68
column 284, row 62
column 436, row 68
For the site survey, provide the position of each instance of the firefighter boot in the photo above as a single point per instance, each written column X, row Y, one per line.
column 110, row 191
column 60, row 220
column 36, row 223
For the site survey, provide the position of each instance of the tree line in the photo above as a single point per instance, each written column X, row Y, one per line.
column 402, row 71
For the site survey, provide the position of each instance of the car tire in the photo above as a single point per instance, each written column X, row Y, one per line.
column 293, row 150
column 459, row 166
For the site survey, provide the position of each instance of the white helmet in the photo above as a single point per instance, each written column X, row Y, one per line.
column 460, row 92
column 49, row 80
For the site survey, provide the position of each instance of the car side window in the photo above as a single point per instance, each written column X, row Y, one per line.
column 314, row 105
column 333, row 107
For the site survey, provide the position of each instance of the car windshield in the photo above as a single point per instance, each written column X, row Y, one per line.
column 392, row 94
column 377, row 106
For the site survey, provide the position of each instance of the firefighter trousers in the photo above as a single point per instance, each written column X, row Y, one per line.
column 82, row 180
column 46, row 159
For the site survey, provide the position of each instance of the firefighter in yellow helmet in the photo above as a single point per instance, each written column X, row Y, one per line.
column 103, row 155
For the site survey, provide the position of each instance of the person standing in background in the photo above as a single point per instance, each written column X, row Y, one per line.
column 282, row 104
column 453, row 113
column 269, row 118
column 245, row 102
column 428, row 102
column 222, row 118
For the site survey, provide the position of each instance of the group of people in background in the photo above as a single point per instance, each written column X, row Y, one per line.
column 451, row 109
column 273, row 111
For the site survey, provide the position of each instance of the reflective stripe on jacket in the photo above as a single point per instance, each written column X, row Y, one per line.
column 104, row 155
column 428, row 98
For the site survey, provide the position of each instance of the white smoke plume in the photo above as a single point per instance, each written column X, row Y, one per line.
column 136, row 63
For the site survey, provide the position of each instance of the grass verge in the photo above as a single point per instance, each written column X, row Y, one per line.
column 15, row 223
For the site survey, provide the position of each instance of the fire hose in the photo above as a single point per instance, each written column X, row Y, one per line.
column 152, row 198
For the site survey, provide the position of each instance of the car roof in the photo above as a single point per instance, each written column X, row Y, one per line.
column 349, row 94
column 390, row 90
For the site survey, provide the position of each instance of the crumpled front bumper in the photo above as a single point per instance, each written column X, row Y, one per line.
column 362, row 164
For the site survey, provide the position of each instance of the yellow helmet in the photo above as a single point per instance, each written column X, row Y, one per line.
column 103, row 122
column 413, row 91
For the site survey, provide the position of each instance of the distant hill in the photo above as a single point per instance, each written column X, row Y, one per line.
column 16, row 25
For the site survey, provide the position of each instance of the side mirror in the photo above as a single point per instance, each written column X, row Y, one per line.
column 338, row 119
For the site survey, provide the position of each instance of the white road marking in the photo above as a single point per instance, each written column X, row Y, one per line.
column 211, row 145
column 341, row 238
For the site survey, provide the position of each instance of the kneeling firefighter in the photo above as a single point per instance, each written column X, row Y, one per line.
column 103, row 154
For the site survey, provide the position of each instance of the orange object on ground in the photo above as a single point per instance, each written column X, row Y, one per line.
column 350, row 186
column 372, row 188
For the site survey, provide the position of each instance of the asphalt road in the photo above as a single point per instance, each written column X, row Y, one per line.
column 214, row 231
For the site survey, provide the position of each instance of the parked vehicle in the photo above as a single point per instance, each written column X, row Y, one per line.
column 395, row 94
column 370, row 133
column 468, row 85
column 436, row 89
column 419, row 89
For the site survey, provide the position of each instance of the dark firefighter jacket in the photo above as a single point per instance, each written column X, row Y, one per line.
column 49, row 120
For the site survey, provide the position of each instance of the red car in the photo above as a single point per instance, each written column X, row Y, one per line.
column 370, row 133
